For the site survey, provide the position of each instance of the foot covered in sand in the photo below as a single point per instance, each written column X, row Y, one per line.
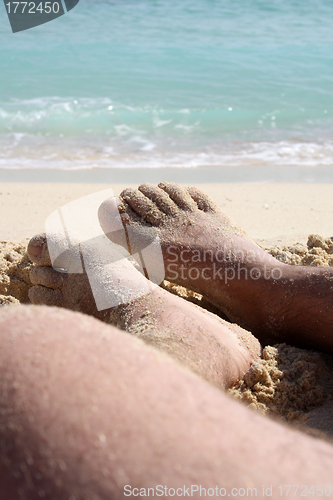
column 216, row 350
column 204, row 251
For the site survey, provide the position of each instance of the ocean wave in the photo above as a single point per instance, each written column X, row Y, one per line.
column 30, row 151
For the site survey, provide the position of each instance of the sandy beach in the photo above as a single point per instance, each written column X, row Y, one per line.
column 271, row 213
column 289, row 383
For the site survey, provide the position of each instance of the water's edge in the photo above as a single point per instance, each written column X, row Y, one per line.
column 283, row 174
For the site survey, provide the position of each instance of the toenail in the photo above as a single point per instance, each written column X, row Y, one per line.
column 35, row 250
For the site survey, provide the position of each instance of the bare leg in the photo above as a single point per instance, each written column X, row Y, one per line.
column 216, row 350
column 87, row 409
column 203, row 250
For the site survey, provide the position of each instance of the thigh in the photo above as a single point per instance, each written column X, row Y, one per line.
column 87, row 411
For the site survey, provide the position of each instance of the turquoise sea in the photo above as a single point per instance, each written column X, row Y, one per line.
column 152, row 83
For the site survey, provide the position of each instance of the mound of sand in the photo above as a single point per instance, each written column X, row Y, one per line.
column 317, row 252
column 291, row 384
column 14, row 273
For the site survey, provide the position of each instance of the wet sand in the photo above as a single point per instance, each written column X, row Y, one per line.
column 291, row 384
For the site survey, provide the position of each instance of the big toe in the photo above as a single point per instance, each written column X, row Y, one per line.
column 38, row 251
column 112, row 222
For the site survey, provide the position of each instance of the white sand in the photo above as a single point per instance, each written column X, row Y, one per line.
column 270, row 213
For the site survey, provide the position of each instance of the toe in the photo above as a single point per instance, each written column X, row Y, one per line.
column 37, row 250
column 160, row 198
column 39, row 295
column 47, row 276
column 202, row 200
column 179, row 195
column 113, row 217
column 143, row 206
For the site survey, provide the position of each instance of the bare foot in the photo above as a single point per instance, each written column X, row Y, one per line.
column 216, row 350
column 204, row 251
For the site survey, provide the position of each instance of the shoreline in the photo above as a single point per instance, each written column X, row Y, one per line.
column 222, row 174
